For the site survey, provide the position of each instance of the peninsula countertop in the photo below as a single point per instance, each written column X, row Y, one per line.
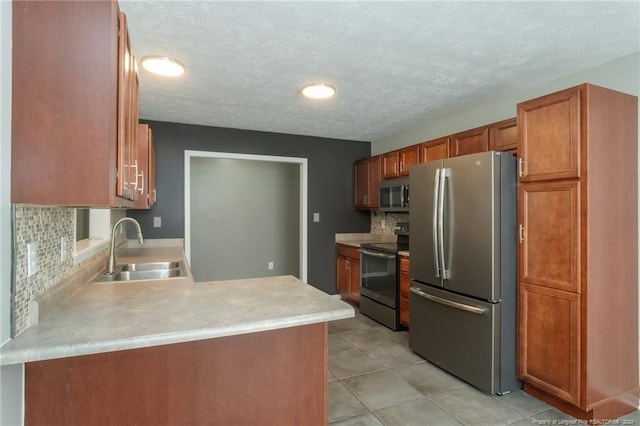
column 106, row 317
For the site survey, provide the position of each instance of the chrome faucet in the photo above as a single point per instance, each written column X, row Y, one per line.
column 112, row 258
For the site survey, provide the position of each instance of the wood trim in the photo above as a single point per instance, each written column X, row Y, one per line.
column 272, row 377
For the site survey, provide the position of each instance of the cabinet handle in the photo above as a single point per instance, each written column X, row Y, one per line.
column 141, row 189
column 135, row 183
column 346, row 264
column 395, row 167
column 520, row 167
column 401, row 166
column 521, row 233
column 154, row 195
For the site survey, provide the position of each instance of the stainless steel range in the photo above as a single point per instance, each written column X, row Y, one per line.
column 379, row 292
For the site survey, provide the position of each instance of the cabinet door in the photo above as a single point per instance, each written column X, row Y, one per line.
column 126, row 173
column 549, row 340
column 342, row 277
column 404, row 291
column 375, row 176
column 503, row 136
column 550, row 234
column 354, row 279
column 469, row 142
column 437, row 149
column 549, row 136
column 408, row 156
column 390, row 164
column 361, row 183
column 153, row 193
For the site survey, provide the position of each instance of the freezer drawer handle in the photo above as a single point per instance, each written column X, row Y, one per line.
column 373, row 253
column 457, row 305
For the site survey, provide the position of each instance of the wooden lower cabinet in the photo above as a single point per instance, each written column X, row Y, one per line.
column 549, row 341
column 348, row 272
column 276, row 377
column 404, row 290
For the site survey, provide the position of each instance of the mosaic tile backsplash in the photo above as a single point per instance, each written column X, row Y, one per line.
column 44, row 225
column 390, row 220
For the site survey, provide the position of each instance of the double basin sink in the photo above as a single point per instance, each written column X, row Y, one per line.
column 145, row 271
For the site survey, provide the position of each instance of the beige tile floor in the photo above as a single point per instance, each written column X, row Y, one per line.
column 375, row 379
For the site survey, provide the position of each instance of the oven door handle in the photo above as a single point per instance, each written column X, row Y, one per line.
column 457, row 305
column 376, row 254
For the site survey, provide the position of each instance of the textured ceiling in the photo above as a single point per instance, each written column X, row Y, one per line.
column 393, row 63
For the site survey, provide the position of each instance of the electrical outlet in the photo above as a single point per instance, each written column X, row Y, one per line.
column 32, row 259
column 157, row 222
column 383, row 223
column 63, row 248
column 316, row 217
column 270, row 265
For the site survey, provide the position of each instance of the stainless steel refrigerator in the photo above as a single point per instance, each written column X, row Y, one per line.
column 463, row 267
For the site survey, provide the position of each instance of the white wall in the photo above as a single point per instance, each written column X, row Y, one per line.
column 11, row 377
column 622, row 74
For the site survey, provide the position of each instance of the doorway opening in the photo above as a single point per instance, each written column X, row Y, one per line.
column 245, row 215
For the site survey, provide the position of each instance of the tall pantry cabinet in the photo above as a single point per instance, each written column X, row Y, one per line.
column 578, row 252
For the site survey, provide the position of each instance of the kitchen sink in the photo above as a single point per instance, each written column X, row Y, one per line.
column 151, row 266
column 144, row 271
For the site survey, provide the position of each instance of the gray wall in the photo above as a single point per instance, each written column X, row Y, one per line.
column 243, row 215
column 330, row 184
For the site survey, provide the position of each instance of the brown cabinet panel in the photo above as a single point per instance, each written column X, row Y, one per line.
column 469, row 142
column 348, row 272
column 68, row 113
column 367, row 177
column 390, row 163
column 503, row 136
column 437, row 149
column 549, row 340
column 404, row 291
column 408, row 157
column 361, row 179
column 549, row 136
column 282, row 380
column 550, row 234
column 145, row 185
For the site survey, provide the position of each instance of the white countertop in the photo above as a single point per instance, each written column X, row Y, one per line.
column 109, row 317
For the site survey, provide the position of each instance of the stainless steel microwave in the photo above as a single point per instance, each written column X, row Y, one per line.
column 394, row 195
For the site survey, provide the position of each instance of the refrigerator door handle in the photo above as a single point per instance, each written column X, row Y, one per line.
column 436, row 252
column 457, row 305
column 444, row 174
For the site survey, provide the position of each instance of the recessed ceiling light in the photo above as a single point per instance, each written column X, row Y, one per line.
column 163, row 65
column 318, row 90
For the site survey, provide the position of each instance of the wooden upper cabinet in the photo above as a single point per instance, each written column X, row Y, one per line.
column 549, row 136
column 390, row 163
column 550, row 234
column 375, row 176
column 469, row 142
column 74, row 114
column 503, row 136
column 145, row 185
column 366, row 180
column 437, row 149
column 408, row 157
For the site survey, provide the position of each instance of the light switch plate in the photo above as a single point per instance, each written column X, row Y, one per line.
column 316, row 217
column 32, row 259
column 157, row 222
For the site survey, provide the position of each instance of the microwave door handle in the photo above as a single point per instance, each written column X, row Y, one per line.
column 434, row 235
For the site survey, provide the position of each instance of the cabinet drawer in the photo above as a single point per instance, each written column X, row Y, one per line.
column 348, row 251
